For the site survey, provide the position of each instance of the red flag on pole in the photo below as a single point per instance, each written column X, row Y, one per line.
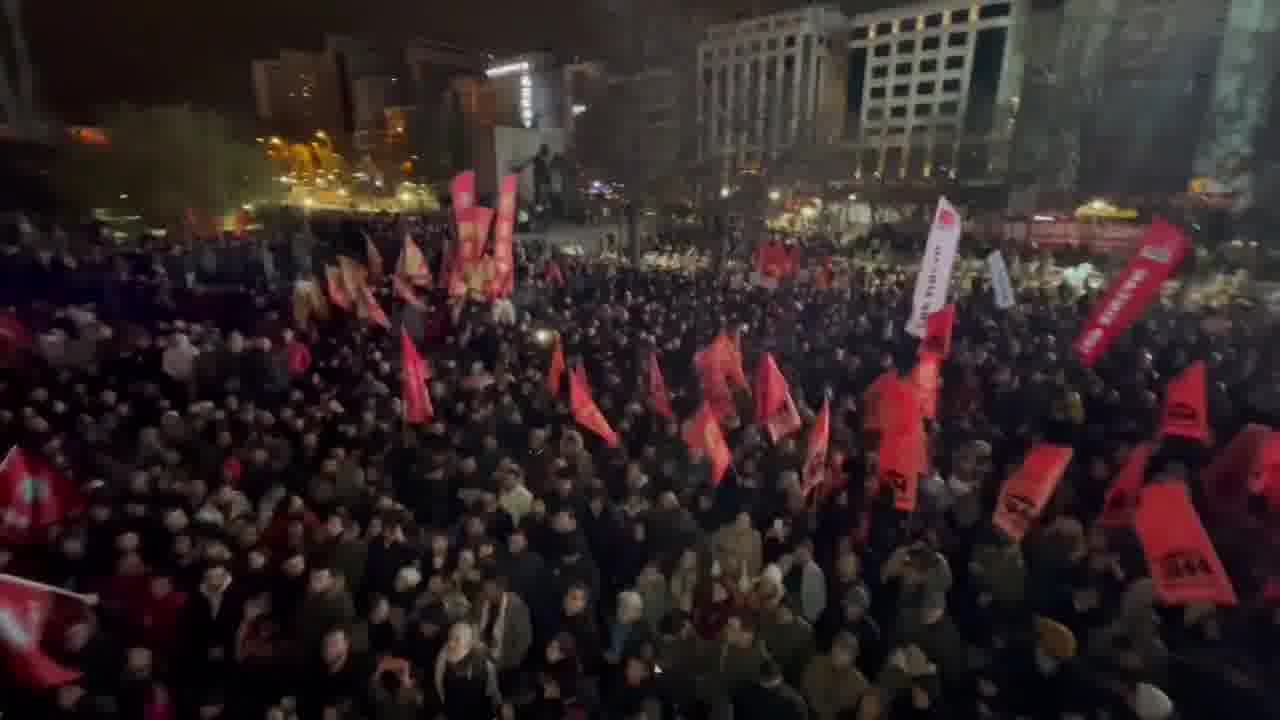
column 33, row 496
column 1186, row 406
column 412, row 264
column 1226, row 480
column 462, row 191
column 814, row 473
column 703, row 434
column 414, row 374
column 1025, row 495
column 1122, row 497
column 556, row 371
column 584, row 409
column 774, row 407
column 24, row 610
column 927, row 380
column 938, row 329
column 503, row 282
column 658, row 394
column 1184, row 564
column 1133, row 290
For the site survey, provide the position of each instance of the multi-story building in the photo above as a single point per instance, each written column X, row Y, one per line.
column 529, row 90
column 767, row 84
column 299, row 94
column 934, row 89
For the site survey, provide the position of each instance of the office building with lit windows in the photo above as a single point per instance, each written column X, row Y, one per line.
column 767, row 84
column 933, row 89
column 529, row 89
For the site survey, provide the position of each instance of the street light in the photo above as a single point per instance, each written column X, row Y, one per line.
column 725, row 191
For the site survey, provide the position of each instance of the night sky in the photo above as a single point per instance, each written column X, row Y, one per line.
column 89, row 55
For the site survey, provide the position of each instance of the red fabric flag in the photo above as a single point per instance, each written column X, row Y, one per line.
column 899, row 409
column 938, row 329
column 33, row 496
column 462, row 191
column 1264, row 476
column 503, row 282
column 872, row 401
column 1024, row 495
column 1122, row 497
column 337, row 288
column 373, row 258
column 1226, row 480
column 376, row 314
column 584, row 409
column 414, row 374
column 927, row 379
column 1184, row 565
column 24, row 610
column 774, row 407
column 1186, row 405
column 703, row 434
column 405, row 292
column 483, row 219
column 556, row 371
column 299, row 357
column 722, row 358
column 658, row 393
column 902, row 460
column 814, row 473
column 412, row 264
column 1133, row 290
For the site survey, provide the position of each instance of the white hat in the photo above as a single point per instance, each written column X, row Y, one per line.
column 1150, row 703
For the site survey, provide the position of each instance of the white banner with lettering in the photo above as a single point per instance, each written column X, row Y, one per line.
column 935, row 268
column 1001, row 286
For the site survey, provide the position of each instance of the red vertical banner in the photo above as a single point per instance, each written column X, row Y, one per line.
column 1024, row 495
column 416, row 401
column 462, row 190
column 1186, row 405
column 504, row 240
column 1184, row 564
column 937, row 333
column 1162, row 250
column 927, row 378
column 1122, row 496
column 814, row 473
column 902, row 459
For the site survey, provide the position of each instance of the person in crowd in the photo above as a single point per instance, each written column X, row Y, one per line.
column 258, row 530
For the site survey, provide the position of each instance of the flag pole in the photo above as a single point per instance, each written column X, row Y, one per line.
column 86, row 598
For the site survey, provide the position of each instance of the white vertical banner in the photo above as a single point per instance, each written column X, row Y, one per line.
column 935, row 267
column 1001, row 286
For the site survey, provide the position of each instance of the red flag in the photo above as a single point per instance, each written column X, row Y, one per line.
column 658, row 393
column 927, row 379
column 483, row 219
column 376, row 314
column 584, row 409
column 24, row 610
column 503, row 282
column 1162, row 251
column 403, row 291
column 902, row 460
column 1184, row 565
column 414, row 374
column 1264, row 476
column 373, row 257
column 1226, row 480
column 462, row 191
column 899, row 406
column 412, row 264
column 703, row 434
column 774, row 407
column 814, row 473
column 723, row 359
column 1024, row 496
column 556, row 371
column 872, row 401
column 938, row 329
column 1122, row 496
column 337, row 288
column 33, row 496
column 1186, row 406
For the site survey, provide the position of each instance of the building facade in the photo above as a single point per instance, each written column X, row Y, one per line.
column 934, row 89
column 529, row 90
column 299, row 94
column 767, row 84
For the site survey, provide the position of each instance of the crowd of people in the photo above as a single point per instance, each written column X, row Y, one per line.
column 263, row 536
